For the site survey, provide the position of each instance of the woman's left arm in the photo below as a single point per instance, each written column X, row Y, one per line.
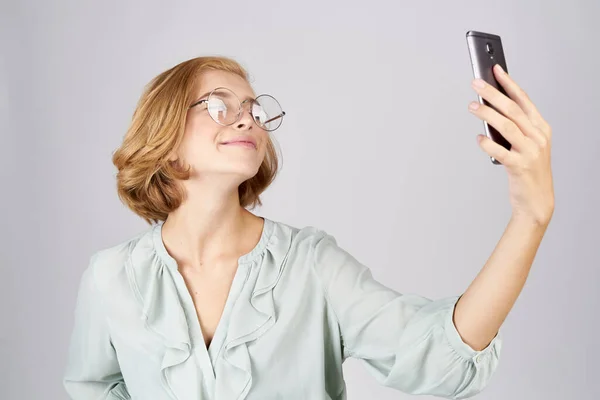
column 483, row 307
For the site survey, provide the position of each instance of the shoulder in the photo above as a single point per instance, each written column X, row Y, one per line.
column 108, row 263
column 306, row 240
column 298, row 235
column 319, row 249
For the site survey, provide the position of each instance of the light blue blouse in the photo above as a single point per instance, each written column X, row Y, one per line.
column 299, row 305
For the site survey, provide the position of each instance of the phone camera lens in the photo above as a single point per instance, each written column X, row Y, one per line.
column 489, row 48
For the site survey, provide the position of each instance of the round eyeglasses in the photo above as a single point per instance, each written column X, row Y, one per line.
column 225, row 109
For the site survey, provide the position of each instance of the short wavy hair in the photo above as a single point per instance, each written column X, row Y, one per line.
column 147, row 181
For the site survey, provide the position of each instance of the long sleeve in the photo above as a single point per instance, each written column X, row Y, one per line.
column 407, row 342
column 92, row 371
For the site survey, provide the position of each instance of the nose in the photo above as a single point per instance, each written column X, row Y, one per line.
column 245, row 120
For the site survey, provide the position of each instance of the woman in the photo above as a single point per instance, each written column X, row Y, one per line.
column 214, row 302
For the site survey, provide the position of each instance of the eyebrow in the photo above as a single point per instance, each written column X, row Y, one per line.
column 226, row 94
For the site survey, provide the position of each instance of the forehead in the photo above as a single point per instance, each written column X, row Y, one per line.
column 210, row 80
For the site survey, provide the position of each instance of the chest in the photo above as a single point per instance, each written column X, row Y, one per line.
column 209, row 293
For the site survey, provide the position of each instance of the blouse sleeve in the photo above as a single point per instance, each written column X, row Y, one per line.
column 92, row 368
column 407, row 342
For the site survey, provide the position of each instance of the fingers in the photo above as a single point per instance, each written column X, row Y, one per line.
column 505, row 126
column 493, row 149
column 521, row 98
column 515, row 116
column 503, row 104
column 511, row 120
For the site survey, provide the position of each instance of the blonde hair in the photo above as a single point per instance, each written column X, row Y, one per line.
column 146, row 178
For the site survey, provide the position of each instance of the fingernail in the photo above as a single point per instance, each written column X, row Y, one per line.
column 500, row 69
column 473, row 106
column 478, row 83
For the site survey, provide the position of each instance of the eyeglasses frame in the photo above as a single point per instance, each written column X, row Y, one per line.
column 241, row 109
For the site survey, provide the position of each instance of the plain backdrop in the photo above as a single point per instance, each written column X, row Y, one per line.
column 405, row 189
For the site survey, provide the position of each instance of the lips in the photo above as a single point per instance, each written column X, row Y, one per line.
column 245, row 144
column 241, row 142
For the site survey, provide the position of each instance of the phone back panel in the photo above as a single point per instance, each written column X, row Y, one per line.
column 486, row 50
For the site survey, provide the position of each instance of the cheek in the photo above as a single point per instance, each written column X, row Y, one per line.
column 262, row 153
column 264, row 139
column 199, row 143
column 200, row 128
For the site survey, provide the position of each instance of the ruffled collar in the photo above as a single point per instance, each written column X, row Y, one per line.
column 247, row 258
column 152, row 274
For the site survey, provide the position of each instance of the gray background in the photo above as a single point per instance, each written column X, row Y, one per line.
column 410, row 194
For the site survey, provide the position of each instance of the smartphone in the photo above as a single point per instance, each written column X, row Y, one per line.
column 485, row 50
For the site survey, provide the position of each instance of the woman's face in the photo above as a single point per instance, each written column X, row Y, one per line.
column 212, row 149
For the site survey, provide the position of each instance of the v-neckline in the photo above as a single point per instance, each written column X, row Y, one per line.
column 218, row 339
column 208, row 354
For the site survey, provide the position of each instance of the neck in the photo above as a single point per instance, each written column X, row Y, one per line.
column 210, row 229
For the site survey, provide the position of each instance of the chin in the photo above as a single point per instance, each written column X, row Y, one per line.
column 237, row 169
column 243, row 172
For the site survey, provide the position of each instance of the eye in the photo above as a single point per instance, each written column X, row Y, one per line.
column 259, row 113
column 217, row 108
